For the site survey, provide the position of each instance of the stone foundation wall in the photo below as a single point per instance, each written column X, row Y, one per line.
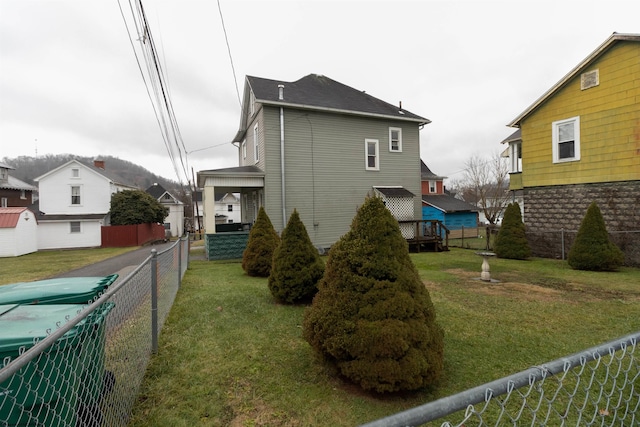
column 552, row 216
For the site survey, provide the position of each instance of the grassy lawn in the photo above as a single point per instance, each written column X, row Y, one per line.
column 44, row 264
column 230, row 356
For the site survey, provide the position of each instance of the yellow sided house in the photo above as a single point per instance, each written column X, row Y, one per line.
column 579, row 143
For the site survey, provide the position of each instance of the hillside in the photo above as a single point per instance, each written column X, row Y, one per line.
column 28, row 168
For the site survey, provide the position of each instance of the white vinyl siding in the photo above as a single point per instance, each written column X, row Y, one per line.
column 566, row 140
column 395, row 140
column 372, row 154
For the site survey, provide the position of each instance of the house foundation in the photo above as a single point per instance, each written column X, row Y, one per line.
column 553, row 214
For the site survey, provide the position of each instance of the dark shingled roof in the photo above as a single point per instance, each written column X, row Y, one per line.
column 395, row 191
column 516, row 136
column 447, row 203
column 320, row 92
column 426, row 174
column 156, row 190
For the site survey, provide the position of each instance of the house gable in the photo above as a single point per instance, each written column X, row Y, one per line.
column 602, row 116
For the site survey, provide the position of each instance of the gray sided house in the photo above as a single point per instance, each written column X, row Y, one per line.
column 318, row 146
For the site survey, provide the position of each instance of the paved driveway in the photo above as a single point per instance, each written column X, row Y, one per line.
column 121, row 264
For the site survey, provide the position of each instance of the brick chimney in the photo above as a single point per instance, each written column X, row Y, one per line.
column 99, row 164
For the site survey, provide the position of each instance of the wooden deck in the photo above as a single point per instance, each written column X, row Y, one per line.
column 425, row 235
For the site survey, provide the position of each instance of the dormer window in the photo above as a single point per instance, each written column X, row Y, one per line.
column 4, row 174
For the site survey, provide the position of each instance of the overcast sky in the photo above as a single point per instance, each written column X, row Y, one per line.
column 69, row 81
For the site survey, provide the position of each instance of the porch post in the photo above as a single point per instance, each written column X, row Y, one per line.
column 209, row 201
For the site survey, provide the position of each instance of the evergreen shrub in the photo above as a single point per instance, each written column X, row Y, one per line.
column 263, row 241
column 297, row 266
column 372, row 317
column 592, row 249
column 511, row 241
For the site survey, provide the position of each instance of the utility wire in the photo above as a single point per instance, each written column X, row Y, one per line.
column 233, row 69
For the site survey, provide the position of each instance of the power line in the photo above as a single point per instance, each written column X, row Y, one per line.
column 157, row 83
column 233, row 69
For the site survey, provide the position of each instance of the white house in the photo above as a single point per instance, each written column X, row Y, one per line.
column 228, row 209
column 175, row 219
column 75, row 200
column 18, row 232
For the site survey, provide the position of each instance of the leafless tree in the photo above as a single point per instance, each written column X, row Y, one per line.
column 485, row 183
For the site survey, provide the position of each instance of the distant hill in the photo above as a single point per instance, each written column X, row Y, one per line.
column 28, row 168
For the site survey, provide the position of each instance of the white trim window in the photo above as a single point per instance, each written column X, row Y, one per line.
column 4, row 202
column 515, row 156
column 256, row 146
column 371, row 154
column 75, row 227
column 433, row 186
column 395, row 140
column 75, row 173
column 75, row 195
column 566, row 140
column 244, row 149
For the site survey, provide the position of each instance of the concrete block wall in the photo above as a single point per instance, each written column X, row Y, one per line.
column 552, row 216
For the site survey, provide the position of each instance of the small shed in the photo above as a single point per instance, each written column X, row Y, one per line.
column 460, row 217
column 18, row 232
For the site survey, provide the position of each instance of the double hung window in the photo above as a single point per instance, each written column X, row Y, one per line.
column 372, row 154
column 566, row 140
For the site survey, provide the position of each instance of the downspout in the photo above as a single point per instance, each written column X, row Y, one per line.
column 284, row 209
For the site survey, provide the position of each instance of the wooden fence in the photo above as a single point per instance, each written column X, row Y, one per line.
column 117, row 236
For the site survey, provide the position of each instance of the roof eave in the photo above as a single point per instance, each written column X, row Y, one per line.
column 420, row 120
column 563, row 81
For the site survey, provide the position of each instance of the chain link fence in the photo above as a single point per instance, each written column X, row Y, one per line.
column 85, row 368
column 599, row 386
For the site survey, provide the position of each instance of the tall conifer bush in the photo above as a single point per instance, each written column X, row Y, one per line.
column 372, row 317
column 593, row 250
column 263, row 241
column 511, row 241
column 297, row 266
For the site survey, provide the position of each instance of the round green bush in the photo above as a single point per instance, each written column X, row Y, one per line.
column 511, row 241
column 263, row 241
column 593, row 250
column 372, row 317
column 297, row 266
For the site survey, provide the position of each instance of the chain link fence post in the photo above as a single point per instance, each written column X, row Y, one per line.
column 154, row 301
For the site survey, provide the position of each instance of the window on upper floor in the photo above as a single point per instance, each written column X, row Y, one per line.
column 432, row 187
column 515, row 157
column 395, row 140
column 4, row 202
column 566, row 140
column 75, row 173
column 229, row 208
column 244, row 149
column 4, row 174
column 23, row 194
column 74, row 227
column 75, row 195
column 372, row 154
column 256, row 145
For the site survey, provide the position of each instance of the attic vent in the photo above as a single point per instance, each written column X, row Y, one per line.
column 589, row 79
